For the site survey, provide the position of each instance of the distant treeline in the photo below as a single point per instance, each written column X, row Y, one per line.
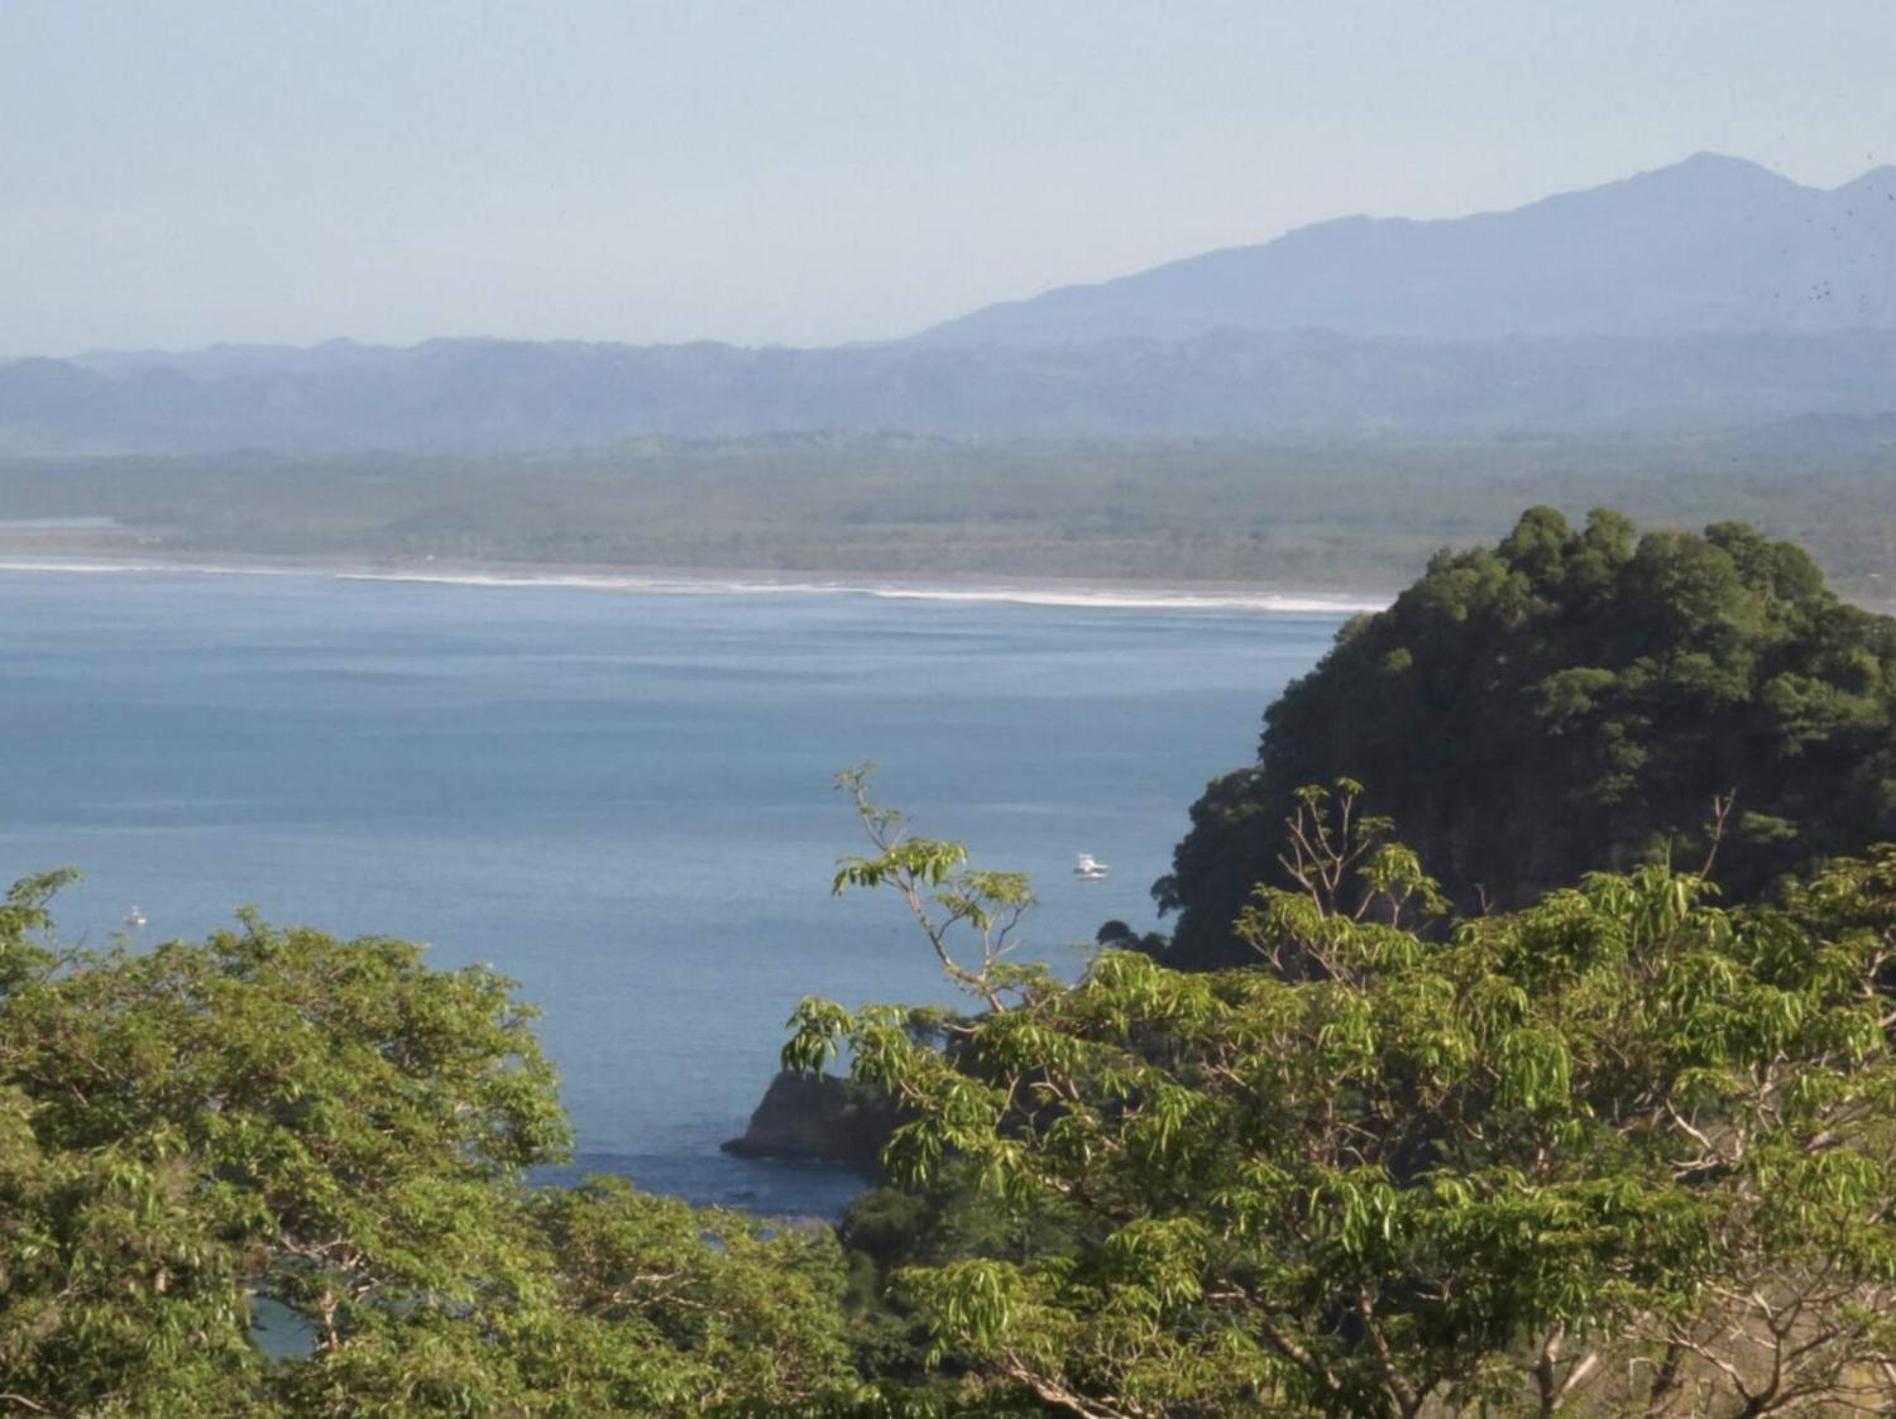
column 1358, row 513
column 492, row 396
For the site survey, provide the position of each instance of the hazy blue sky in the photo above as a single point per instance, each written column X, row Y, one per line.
column 184, row 171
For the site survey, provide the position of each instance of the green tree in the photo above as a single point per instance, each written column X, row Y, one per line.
column 1624, row 1151
column 1573, row 699
column 274, row 1125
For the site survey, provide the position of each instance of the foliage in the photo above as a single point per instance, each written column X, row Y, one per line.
column 1576, row 699
column 206, row 1139
column 947, row 1218
column 950, row 901
column 1625, row 1151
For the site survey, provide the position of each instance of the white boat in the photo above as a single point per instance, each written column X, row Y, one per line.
column 134, row 918
column 1089, row 870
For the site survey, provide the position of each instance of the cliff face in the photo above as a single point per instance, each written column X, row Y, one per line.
column 819, row 1117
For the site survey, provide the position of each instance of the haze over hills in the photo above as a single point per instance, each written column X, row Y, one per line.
column 1710, row 246
column 1709, row 296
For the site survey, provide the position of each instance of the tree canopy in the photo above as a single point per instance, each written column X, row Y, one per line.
column 1575, row 699
column 1625, row 1151
column 275, row 1173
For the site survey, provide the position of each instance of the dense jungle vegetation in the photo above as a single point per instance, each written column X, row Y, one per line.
column 1576, row 698
column 1621, row 1142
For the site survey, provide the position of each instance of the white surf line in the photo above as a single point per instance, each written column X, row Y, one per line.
column 1272, row 603
column 663, row 586
column 1284, row 604
column 1279, row 603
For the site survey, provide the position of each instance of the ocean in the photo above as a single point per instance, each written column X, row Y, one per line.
column 618, row 792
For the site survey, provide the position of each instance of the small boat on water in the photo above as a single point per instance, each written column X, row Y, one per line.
column 1089, row 870
column 134, row 918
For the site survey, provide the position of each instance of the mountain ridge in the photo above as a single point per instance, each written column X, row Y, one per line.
column 497, row 396
column 1709, row 244
column 1709, row 295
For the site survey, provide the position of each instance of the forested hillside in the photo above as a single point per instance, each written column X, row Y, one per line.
column 1576, row 699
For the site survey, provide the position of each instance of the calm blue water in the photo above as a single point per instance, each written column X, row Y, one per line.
column 622, row 800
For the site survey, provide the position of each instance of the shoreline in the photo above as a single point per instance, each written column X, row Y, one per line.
column 1105, row 594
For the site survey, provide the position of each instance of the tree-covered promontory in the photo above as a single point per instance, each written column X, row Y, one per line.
column 1575, row 699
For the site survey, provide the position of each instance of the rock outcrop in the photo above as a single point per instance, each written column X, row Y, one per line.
column 820, row 1118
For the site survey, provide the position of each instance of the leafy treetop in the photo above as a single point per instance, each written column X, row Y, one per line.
column 205, row 1143
column 1569, row 700
column 1625, row 1151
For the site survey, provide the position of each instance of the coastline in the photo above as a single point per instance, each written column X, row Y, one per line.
column 1104, row 594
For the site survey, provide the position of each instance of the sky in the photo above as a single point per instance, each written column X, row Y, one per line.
column 183, row 173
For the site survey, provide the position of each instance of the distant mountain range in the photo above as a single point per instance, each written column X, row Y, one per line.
column 1711, row 295
column 1710, row 246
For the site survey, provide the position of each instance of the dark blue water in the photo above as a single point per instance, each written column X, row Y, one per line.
column 621, row 800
